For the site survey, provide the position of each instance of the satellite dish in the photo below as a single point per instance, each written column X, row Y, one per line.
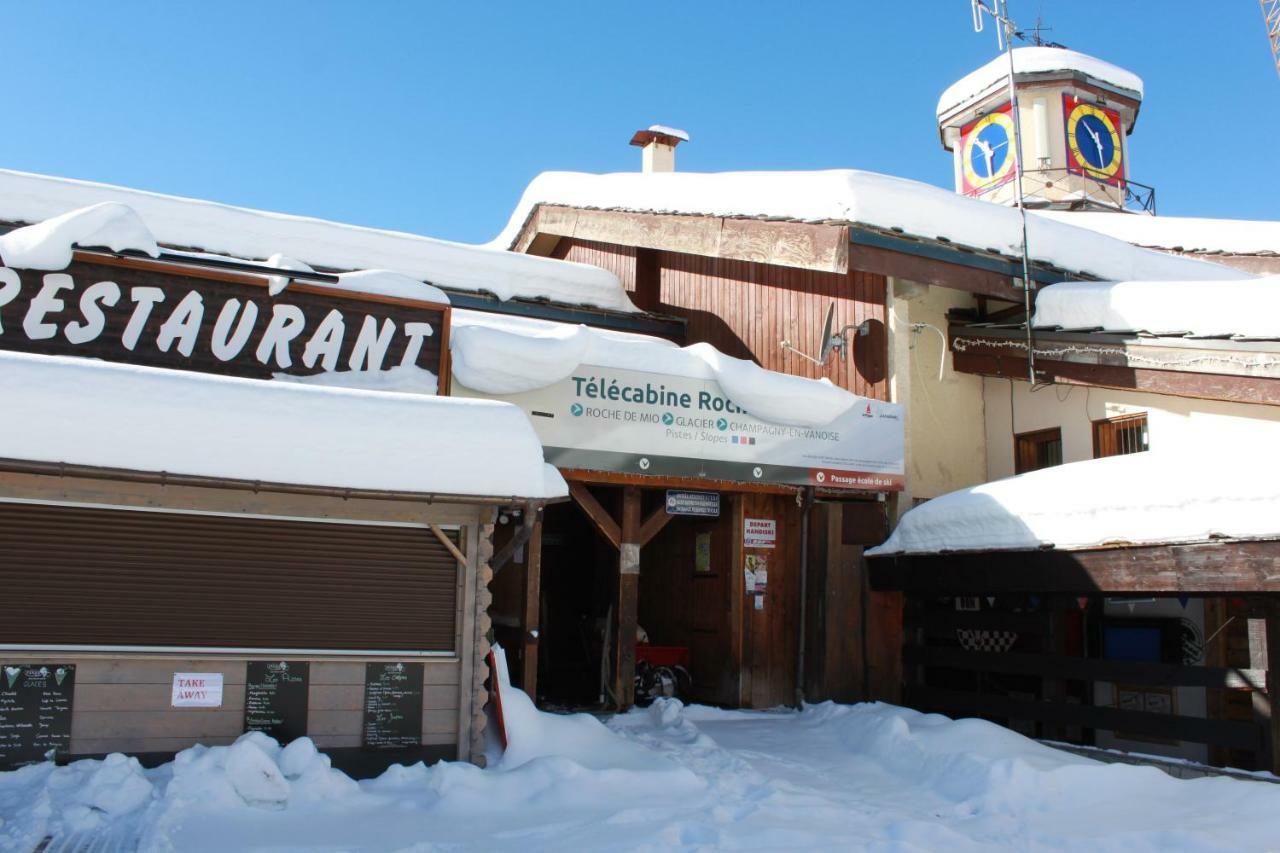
column 829, row 342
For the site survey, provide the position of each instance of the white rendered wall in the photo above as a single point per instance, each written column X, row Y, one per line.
column 1191, row 428
column 945, row 443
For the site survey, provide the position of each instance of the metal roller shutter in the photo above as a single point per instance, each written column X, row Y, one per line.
column 111, row 577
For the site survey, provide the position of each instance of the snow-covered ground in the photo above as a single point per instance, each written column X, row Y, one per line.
column 833, row 777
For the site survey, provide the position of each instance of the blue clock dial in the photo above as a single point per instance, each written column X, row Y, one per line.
column 1094, row 142
column 989, row 151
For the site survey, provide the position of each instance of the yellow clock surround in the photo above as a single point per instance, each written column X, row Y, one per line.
column 1109, row 164
column 998, row 121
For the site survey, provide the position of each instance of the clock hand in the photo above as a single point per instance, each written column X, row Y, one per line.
column 987, row 154
column 1097, row 142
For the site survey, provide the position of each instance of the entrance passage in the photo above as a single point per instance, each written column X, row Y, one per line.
column 683, row 607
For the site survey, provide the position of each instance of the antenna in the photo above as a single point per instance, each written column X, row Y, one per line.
column 1271, row 17
column 826, row 342
column 830, row 341
column 1005, row 30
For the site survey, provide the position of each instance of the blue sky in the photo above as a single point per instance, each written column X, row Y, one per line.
column 432, row 117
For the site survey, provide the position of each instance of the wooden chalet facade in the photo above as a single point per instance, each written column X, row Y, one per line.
column 743, row 285
column 179, row 572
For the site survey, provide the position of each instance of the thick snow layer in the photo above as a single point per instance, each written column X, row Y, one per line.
column 84, row 412
column 865, row 198
column 1138, row 499
column 1033, row 60
column 670, row 131
column 184, row 223
column 493, row 354
column 48, row 244
column 1180, row 233
column 833, row 777
column 1250, row 308
column 389, row 283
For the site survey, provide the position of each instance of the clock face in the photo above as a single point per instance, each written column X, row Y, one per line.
column 986, row 151
column 1094, row 147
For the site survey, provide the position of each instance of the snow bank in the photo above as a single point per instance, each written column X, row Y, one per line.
column 83, row 412
column 494, row 355
column 1249, row 308
column 1138, row 499
column 580, row 738
column 1180, row 233
column 48, row 245
column 1035, row 60
column 863, row 198
column 184, row 223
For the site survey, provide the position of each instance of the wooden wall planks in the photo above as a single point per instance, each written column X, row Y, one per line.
column 746, row 308
column 122, row 705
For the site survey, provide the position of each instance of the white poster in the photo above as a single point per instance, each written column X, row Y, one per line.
column 759, row 532
column 197, row 690
column 608, row 419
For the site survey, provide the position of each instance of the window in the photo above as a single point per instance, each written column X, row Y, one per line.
column 1036, row 450
column 1118, row 436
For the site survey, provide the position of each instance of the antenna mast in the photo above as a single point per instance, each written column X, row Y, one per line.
column 1271, row 16
column 1005, row 31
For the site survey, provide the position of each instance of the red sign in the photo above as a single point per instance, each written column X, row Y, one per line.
column 829, row 478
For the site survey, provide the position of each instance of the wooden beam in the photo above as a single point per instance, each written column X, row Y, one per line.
column 448, row 544
column 653, row 525
column 628, row 598
column 1084, row 669
column 1273, row 681
column 532, row 612
column 599, row 516
column 1230, row 733
column 803, row 245
column 618, row 478
column 875, row 259
column 1176, row 383
column 1204, row 568
column 520, row 537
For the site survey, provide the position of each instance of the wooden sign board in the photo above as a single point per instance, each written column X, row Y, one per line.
column 275, row 698
column 392, row 705
column 165, row 315
column 35, row 712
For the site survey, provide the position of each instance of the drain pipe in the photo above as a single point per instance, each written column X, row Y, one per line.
column 806, row 505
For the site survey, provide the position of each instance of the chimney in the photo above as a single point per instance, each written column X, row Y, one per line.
column 659, row 147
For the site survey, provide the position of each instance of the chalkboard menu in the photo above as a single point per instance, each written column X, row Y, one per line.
column 392, row 705
column 35, row 712
column 275, row 698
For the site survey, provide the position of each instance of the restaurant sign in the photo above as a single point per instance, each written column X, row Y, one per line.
column 677, row 426
column 163, row 315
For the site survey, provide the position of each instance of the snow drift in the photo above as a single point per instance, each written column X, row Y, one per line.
column 499, row 355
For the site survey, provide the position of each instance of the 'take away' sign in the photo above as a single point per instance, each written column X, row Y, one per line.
column 166, row 316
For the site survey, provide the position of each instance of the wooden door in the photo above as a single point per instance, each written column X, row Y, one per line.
column 715, row 674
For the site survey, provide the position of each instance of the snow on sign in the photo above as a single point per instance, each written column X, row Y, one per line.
column 159, row 315
column 759, row 533
column 197, row 690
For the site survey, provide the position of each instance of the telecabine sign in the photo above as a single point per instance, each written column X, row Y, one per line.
column 169, row 317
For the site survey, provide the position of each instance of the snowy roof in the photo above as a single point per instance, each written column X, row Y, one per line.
column 670, row 131
column 1248, row 308
column 1139, row 499
column 1181, row 233
column 255, row 235
column 83, row 412
column 860, row 198
column 497, row 354
column 1035, row 60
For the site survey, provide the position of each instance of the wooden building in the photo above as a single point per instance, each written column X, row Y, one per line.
column 752, row 262
column 196, row 543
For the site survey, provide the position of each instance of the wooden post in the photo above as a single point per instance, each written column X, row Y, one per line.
column 532, row 610
column 628, row 597
column 1273, row 679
